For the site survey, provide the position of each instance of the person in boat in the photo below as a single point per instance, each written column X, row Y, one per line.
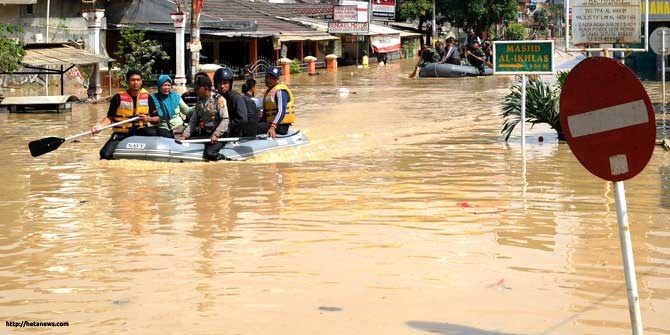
column 476, row 57
column 170, row 107
column 451, row 55
column 488, row 51
column 209, row 118
column 134, row 101
column 240, row 122
column 471, row 39
column 440, row 49
column 278, row 101
column 190, row 97
column 249, row 94
column 429, row 54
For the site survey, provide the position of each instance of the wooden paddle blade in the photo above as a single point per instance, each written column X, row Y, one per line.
column 44, row 145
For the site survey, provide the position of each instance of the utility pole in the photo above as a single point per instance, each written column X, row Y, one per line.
column 434, row 32
column 195, row 46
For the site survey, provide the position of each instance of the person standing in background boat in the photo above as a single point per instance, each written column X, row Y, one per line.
column 278, row 104
column 171, row 109
column 208, row 119
column 471, row 39
column 240, row 124
column 134, row 101
column 190, row 97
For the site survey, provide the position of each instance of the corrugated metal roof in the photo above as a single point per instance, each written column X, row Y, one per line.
column 60, row 55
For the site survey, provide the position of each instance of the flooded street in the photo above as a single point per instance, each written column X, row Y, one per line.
column 406, row 214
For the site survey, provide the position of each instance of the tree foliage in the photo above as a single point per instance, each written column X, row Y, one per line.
column 515, row 32
column 413, row 8
column 477, row 14
column 541, row 18
column 541, row 105
column 11, row 51
column 134, row 51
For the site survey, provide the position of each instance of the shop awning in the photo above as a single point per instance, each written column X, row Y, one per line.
column 17, row 2
column 385, row 43
column 311, row 37
column 61, row 54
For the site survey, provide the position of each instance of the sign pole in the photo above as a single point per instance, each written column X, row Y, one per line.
column 628, row 262
column 663, row 53
column 523, row 114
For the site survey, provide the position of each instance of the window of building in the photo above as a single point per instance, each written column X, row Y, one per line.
column 29, row 9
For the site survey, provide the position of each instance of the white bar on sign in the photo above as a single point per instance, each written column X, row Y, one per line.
column 618, row 164
column 610, row 118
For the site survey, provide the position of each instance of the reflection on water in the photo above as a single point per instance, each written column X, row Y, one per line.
column 405, row 204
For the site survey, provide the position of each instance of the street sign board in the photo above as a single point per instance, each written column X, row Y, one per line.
column 348, row 27
column 383, row 10
column 345, row 13
column 607, row 119
column 523, row 57
column 656, row 41
column 597, row 21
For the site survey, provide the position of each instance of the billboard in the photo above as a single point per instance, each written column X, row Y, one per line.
column 345, row 13
column 383, row 10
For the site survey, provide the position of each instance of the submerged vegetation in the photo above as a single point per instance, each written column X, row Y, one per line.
column 541, row 105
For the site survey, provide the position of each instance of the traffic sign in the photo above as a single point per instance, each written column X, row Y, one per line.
column 519, row 57
column 656, row 41
column 607, row 119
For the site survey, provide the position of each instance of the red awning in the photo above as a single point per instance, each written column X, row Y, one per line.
column 385, row 43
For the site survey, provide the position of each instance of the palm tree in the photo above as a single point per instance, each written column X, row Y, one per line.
column 541, row 105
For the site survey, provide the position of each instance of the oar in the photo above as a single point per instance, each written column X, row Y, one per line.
column 48, row 144
column 416, row 68
column 223, row 139
column 485, row 62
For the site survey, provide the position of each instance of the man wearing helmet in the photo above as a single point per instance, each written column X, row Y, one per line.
column 278, row 103
column 242, row 122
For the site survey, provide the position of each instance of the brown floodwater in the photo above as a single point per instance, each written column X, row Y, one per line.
column 406, row 214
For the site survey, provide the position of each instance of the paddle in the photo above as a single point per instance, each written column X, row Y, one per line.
column 416, row 68
column 485, row 62
column 224, row 139
column 48, row 144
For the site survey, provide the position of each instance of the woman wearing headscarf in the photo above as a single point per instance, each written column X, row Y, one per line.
column 172, row 110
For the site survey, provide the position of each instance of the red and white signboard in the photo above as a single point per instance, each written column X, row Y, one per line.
column 345, row 13
column 385, row 43
column 607, row 119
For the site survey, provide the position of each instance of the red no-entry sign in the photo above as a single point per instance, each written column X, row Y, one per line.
column 607, row 119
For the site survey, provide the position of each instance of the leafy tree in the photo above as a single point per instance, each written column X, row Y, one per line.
column 136, row 52
column 541, row 18
column 412, row 8
column 11, row 51
column 515, row 32
column 477, row 14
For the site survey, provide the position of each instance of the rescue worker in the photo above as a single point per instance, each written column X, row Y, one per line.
column 451, row 56
column 209, row 118
column 476, row 57
column 240, row 125
column 170, row 107
column 429, row 55
column 471, row 39
column 278, row 104
column 134, row 101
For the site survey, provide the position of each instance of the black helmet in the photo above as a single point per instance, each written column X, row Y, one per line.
column 222, row 74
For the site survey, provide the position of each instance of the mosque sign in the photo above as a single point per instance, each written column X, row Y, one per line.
column 606, row 21
column 523, row 57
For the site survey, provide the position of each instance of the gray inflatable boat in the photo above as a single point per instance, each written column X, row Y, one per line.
column 154, row 148
column 451, row 70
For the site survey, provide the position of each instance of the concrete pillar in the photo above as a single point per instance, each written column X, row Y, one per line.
column 253, row 51
column 331, row 63
column 179, row 20
column 311, row 65
column 93, row 19
column 286, row 69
